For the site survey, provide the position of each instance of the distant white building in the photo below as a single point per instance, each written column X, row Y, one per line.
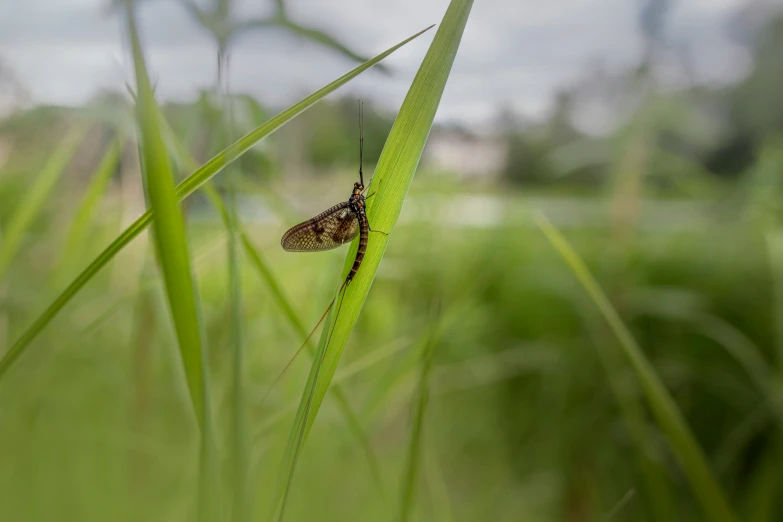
column 464, row 154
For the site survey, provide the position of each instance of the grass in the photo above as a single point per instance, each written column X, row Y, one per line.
column 88, row 206
column 522, row 422
column 273, row 287
column 172, row 249
column 669, row 417
column 420, row 399
column 35, row 199
column 521, row 418
column 392, row 178
column 183, row 190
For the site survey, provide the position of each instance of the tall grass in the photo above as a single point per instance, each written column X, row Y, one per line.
column 391, row 180
column 526, row 426
column 420, row 399
column 36, row 197
column 88, row 206
column 171, row 247
column 681, row 440
column 258, row 262
column 183, row 190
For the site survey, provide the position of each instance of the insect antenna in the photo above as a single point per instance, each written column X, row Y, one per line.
column 361, row 142
column 361, row 148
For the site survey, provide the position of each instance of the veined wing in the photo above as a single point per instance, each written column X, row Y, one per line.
column 327, row 230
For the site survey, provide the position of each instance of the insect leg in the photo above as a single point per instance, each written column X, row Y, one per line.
column 370, row 185
column 378, row 231
column 337, row 316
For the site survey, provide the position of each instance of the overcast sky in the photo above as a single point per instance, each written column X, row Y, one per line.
column 514, row 52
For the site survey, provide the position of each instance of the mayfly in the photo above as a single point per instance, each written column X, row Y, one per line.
column 337, row 225
column 333, row 228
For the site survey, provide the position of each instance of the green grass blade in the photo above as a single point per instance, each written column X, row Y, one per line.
column 258, row 262
column 654, row 487
column 747, row 355
column 668, row 415
column 173, row 256
column 169, row 233
column 411, row 473
column 392, row 178
column 241, row 505
column 184, row 189
column 35, row 198
column 352, row 420
column 239, row 454
column 90, row 200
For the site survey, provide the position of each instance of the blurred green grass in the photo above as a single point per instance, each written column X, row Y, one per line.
column 521, row 418
column 522, row 421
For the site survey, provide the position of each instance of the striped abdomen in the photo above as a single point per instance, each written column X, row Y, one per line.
column 364, row 233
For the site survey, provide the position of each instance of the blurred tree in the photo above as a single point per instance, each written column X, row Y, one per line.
column 764, row 206
column 326, row 147
column 331, row 131
column 754, row 108
column 531, row 149
column 527, row 160
column 221, row 23
column 652, row 22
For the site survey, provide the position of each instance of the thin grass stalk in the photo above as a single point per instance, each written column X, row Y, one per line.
column 670, row 419
column 747, row 354
column 91, row 199
column 411, row 473
column 624, row 501
column 240, row 510
column 655, row 490
column 34, row 200
column 76, row 240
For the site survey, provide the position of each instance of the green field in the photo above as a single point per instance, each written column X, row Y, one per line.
column 593, row 334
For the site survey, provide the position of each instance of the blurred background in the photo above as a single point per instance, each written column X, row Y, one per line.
column 649, row 131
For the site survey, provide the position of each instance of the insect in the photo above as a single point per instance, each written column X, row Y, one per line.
column 337, row 225
column 330, row 229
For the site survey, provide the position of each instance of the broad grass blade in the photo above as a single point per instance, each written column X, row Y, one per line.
column 169, row 232
column 184, row 189
column 171, row 247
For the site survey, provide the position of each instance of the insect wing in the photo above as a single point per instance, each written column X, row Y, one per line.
column 328, row 230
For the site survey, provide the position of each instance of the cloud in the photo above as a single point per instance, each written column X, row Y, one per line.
column 514, row 52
